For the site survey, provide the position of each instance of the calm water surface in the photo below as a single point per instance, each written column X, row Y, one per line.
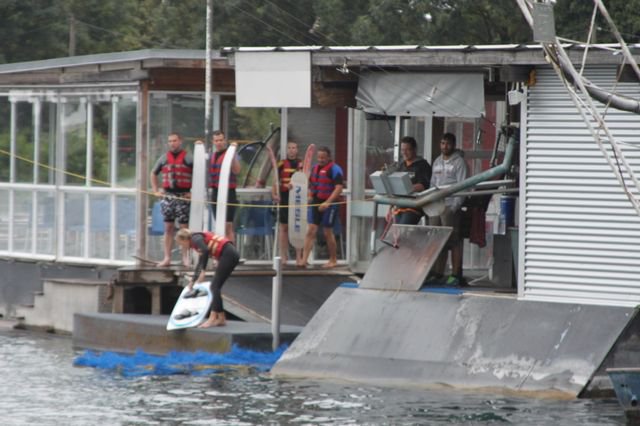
column 40, row 386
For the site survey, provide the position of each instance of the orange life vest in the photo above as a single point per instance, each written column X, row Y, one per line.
column 176, row 174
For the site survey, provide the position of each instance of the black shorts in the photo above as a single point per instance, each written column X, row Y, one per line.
column 283, row 211
column 232, row 200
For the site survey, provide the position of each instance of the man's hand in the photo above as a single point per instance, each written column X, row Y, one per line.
column 322, row 207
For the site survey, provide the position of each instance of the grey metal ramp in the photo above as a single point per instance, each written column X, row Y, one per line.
column 407, row 266
column 468, row 341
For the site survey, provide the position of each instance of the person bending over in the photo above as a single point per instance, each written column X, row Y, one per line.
column 210, row 245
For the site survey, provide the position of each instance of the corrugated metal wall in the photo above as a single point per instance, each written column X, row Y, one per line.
column 581, row 233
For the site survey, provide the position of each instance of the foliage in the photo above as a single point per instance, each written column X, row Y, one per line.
column 40, row 29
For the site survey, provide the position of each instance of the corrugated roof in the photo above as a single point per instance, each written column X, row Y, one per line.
column 105, row 58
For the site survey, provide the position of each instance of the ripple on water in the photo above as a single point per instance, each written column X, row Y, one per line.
column 43, row 387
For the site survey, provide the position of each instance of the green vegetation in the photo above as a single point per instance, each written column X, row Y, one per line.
column 40, row 29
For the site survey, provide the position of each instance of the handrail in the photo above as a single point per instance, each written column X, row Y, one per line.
column 432, row 195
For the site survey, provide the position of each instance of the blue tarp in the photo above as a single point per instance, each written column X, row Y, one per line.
column 198, row 363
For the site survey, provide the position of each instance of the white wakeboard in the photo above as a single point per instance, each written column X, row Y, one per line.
column 298, row 209
column 198, row 189
column 191, row 312
column 223, row 190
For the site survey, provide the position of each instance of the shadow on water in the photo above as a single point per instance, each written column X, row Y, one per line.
column 42, row 386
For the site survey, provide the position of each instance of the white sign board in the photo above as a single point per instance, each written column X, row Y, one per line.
column 273, row 79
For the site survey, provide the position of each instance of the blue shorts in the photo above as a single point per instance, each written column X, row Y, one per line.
column 326, row 218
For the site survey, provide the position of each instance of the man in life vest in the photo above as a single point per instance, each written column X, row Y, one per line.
column 286, row 169
column 210, row 245
column 420, row 173
column 176, row 167
column 325, row 188
column 215, row 166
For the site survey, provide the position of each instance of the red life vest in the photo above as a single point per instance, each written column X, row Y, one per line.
column 214, row 242
column 286, row 169
column 322, row 185
column 176, row 174
column 215, row 167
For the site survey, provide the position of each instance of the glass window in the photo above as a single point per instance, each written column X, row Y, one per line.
column 378, row 138
column 75, row 138
column 22, row 240
column 24, row 142
column 181, row 113
column 126, row 150
column 45, row 227
column 126, row 226
column 99, row 225
column 5, row 143
column 74, row 225
column 101, row 175
column 4, row 219
column 46, row 154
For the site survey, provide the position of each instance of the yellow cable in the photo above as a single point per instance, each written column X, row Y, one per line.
column 142, row 191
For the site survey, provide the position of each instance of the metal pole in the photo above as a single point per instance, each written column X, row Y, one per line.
column 276, row 297
column 207, row 75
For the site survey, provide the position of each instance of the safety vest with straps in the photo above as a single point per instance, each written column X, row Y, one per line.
column 287, row 168
column 322, row 185
column 215, row 167
column 214, row 242
column 176, row 173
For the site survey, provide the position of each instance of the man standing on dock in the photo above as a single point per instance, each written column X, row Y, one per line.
column 325, row 188
column 286, row 169
column 220, row 146
column 448, row 169
column 176, row 167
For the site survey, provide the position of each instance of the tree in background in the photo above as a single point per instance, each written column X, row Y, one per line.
column 40, row 29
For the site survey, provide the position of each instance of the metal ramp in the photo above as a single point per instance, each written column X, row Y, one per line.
column 406, row 266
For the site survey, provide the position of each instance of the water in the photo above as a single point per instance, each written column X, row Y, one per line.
column 41, row 386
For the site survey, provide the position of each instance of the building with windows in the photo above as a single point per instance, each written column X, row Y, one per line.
column 79, row 135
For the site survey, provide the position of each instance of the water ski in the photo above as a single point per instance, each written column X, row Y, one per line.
column 298, row 209
column 192, row 307
column 223, row 189
column 198, row 189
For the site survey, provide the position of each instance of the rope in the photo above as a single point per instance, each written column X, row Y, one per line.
column 151, row 193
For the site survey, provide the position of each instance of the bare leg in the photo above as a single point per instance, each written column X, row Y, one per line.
column 331, row 247
column 309, row 239
column 284, row 242
column 169, row 228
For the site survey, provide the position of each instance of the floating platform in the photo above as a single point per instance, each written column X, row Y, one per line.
column 127, row 333
column 466, row 340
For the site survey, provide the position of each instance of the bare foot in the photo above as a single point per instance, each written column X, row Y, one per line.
column 301, row 265
column 186, row 262
column 164, row 263
column 329, row 265
column 214, row 321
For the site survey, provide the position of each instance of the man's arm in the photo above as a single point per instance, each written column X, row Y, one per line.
column 154, row 178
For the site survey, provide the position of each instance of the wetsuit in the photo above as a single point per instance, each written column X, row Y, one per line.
column 209, row 245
